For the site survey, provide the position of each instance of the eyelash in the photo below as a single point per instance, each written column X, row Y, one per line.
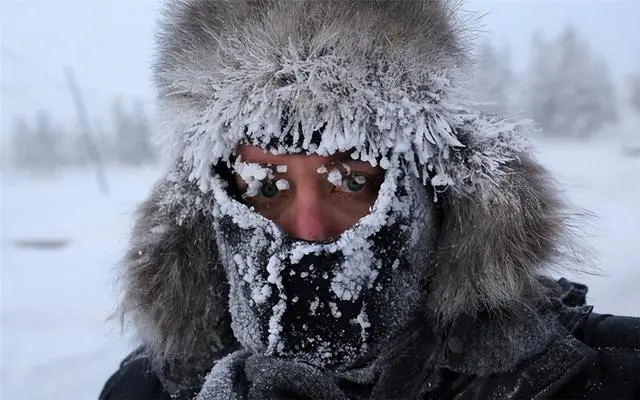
column 369, row 180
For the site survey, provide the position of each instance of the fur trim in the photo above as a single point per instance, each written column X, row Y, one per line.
column 174, row 289
column 491, row 255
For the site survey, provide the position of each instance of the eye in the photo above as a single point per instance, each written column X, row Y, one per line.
column 269, row 189
column 354, row 183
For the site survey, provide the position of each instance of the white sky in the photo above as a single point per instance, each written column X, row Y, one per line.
column 109, row 43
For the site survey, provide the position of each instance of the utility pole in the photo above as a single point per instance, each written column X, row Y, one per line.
column 85, row 127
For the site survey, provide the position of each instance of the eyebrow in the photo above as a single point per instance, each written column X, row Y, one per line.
column 341, row 157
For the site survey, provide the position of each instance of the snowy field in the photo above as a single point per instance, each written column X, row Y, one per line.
column 57, row 341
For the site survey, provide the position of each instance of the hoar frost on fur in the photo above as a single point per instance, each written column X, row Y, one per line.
column 426, row 134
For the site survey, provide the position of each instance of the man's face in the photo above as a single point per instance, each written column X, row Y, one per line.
column 311, row 197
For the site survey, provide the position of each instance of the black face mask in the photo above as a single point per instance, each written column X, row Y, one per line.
column 328, row 303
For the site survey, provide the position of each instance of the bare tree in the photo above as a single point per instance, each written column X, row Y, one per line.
column 570, row 92
column 493, row 81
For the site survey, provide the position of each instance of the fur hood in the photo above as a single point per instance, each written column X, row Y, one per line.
column 384, row 72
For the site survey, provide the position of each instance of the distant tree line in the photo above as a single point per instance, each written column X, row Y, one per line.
column 566, row 88
column 41, row 144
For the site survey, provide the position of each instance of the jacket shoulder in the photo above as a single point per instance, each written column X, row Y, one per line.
column 134, row 379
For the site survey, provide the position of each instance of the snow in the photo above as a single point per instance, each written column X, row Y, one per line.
column 600, row 179
column 57, row 341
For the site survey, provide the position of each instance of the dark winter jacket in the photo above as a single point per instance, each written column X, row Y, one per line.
column 599, row 359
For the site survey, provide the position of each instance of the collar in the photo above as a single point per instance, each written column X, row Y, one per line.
column 521, row 372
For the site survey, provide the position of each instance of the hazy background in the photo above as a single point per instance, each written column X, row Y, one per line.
column 109, row 44
column 68, row 190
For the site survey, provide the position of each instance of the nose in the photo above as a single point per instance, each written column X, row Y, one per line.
column 308, row 220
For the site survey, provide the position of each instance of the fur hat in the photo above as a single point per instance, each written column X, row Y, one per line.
column 377, row 76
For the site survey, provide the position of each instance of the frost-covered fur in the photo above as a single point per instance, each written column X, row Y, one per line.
column 502, row 222
column 174, row 288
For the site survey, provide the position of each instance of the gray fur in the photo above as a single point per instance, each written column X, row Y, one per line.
column 490, row 253
column 191, row 58
column 490, row 256
column 174, row 289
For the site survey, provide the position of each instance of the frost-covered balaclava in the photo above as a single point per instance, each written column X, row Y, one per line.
column 326, row 303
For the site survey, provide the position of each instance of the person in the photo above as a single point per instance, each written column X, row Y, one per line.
column 338, row 222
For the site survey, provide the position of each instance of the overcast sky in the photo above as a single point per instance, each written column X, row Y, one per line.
column 109, row 44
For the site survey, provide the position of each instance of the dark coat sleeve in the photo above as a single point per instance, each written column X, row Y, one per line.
column 615, row 372
column 134, row 380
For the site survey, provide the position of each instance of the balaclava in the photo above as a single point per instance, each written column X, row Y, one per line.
column 326, row 303
column 464, row 222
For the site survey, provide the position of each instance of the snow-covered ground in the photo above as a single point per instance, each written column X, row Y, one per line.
column 57, row 343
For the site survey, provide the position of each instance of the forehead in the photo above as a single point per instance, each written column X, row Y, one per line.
column 256, row 154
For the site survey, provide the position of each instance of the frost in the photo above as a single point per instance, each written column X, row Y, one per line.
column 159, row 229
column 240, row 264
column 260, row 295
column 275, row 328
column 273, row 268
column 282, row 184
column 358, row 271
column 363, row 320
column 441, row 180
column 322, row 170
column 335, row 177
column 423, row 120
column 313, row 306
column 335, row 311
column 302, row 249
column 253, row 174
